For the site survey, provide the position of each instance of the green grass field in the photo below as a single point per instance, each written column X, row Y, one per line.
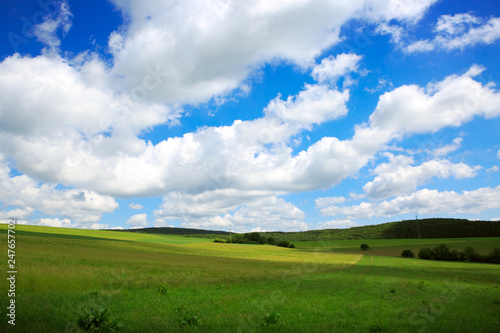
column 159, row 283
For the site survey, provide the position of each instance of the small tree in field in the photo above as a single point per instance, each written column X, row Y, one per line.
column 364, row 247
column 407, row 254
column 284, row 243
column 494, row 256
column 468, row 252
column 425, row 253
column 441, row 252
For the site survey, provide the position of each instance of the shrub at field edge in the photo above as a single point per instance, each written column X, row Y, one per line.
column 442, row 252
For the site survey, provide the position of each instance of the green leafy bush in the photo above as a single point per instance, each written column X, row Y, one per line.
column 219, row 240
column 441, row 252
column 252, row 237
column 163, row 289
column 468, row 252
column 494, row 256
column 454, row 255
column 476, row 257
column 425, row 253
column 97, row 319
column 364, row 247
column 407, row 254
column 284, row 243
column 189, row 320
column 187, row 317
column 376, row 328
column 270, row 319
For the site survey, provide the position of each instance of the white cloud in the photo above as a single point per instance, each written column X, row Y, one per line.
column 270, row 213
column 67, row 223
column 332, row 68
column 52, row 97
column 445, row 150
column 498, row 153
column 55, row 222
column 382, row 84
column 215, row 51
column 124, row 165
column 455, row 100
column 22, row 222
column 337, row 224
column 23, row 213
column 493, row 169
column 420, row 46
column 46, row 32
column 206, row 48
column 135, row 206
column 231, row 210
column 399, row 176
column 313, row 105
column 410, row 11
column 458, row 32
column 323, row 202
column 456, row 24
column 424, row 201
column 395, row 31
column 67, row 124
column 117, row 228
column 138, row 220
column 82, row 206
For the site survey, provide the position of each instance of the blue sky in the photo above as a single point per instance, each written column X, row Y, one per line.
column 248, row 115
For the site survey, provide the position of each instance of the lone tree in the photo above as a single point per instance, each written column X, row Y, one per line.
column 407, row 254
column 364, row 247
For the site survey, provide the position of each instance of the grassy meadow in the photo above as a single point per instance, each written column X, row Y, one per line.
column 162, row 283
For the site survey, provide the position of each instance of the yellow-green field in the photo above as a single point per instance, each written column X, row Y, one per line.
column 159, row 283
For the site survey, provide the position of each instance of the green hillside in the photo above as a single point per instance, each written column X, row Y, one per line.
column 179, row 232
column 73, row 280
column 425, row 228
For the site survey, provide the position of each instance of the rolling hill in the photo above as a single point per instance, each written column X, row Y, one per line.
column 424, row 228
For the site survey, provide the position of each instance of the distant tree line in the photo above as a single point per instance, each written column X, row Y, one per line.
column 443, row 252
column 253, row 238
column 425, row 228
column 188, row 232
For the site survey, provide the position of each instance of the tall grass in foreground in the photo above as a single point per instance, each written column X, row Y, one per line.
column 148, row 284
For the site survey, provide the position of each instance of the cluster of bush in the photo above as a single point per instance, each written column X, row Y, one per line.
column 443, row 252
column 254, row 238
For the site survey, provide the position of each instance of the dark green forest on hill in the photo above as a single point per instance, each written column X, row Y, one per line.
column 180, row 232
column 424, row 228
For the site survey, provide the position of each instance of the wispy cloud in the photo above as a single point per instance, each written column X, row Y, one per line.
column 135, row 206
column 47, row 31
column 458, row 32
